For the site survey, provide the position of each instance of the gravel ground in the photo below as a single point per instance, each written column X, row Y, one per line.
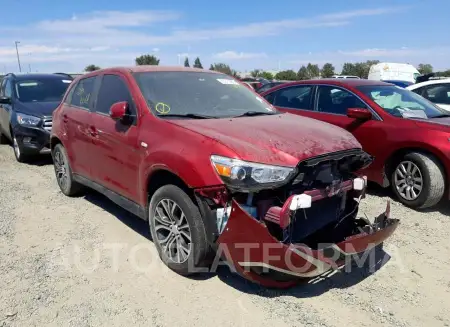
column 86, row 262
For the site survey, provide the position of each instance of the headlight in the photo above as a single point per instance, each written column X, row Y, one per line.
column 28, row 120
column 249, row 176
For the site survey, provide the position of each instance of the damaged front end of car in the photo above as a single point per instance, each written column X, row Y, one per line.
column 275, row 225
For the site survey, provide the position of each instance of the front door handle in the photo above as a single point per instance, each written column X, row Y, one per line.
column 93, row 131
column 65, row 119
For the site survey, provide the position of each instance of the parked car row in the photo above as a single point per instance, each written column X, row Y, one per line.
column 407, row 134
column 214, row 168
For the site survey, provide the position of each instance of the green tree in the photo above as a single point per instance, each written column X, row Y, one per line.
column 267, row 75
column 286, row 75
column 147, row 60
column 197, row 63
column 327, row 70
column 360, row 69
column 302, row 73
column 256, row 73
column 348, row 69
column 186, row 62
column 313, row 71
column 223, row 68
column 425, row 69
column 91, row 68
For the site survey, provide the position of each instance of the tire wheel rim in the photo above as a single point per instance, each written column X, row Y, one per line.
column 60, row 169
column 172, row 231
column 408, row 180
column 16, row 147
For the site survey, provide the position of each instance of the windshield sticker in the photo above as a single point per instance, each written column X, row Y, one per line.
column 162, row 108
column 67, row 81
column 411, row 113
column 227, row 81
column 28, row 84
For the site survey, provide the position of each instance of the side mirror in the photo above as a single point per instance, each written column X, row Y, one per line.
column 359, row 113
column 119, row 110
column 5, row 100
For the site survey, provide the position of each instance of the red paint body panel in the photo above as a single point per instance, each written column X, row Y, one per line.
column 184, row 147
column 382, row 138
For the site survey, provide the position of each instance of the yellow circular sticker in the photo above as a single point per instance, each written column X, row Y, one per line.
column 162, row 108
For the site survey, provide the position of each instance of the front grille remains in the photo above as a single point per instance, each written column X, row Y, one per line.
column 48, row 124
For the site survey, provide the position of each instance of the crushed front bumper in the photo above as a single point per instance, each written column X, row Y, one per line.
column 254, row 253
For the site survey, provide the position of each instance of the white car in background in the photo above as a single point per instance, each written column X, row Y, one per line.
column 436, row 91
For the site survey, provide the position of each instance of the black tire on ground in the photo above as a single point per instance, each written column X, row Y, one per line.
column 69, row 187
column 3, row 139
column 433, row 187
column 199, row 248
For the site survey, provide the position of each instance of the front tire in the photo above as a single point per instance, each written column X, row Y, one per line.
column 63, row 172
column 177, row 230
column 418, row 181
column 18, row 151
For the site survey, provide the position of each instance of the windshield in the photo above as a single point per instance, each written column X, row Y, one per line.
column 41, row 90
column 210, row 95
column 401, row 102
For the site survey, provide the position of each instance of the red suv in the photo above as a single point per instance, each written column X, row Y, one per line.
column 407, row 134
column 214, row 168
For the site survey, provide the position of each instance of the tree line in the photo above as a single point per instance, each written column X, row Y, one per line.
column 309, row 71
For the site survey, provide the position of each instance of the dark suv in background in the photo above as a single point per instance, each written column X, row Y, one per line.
column 27, row 102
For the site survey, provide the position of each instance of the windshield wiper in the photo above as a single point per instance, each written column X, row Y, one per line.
column 194, row 116
column 255, row 113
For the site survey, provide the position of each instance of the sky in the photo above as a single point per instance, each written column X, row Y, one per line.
column 270, row 35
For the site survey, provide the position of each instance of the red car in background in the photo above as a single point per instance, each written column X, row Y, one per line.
column 216, row 169
column 408, row 135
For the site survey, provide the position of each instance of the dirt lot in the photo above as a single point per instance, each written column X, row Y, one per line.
column 59, row 268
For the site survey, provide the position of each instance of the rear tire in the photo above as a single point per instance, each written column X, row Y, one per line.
column 418, row 181
column 63, row 172
column 177, row 230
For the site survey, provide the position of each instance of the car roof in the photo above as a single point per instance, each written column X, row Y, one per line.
column 154, row 68
column 40, row 76
column 342, row 82
column 430, row 82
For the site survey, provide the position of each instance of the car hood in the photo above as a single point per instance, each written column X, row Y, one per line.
column 39, row 109
column 283, row 139
column 441, row 124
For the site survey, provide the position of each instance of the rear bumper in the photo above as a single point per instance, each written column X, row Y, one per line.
column 256, row 254
column 32, row 140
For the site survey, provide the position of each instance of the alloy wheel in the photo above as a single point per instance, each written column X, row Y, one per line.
column 16, row 147
column 408, row 180
column 60, row 169
column 172, row 231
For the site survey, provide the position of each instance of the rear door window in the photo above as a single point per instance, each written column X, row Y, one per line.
column 83, row 92
column 113, row 89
